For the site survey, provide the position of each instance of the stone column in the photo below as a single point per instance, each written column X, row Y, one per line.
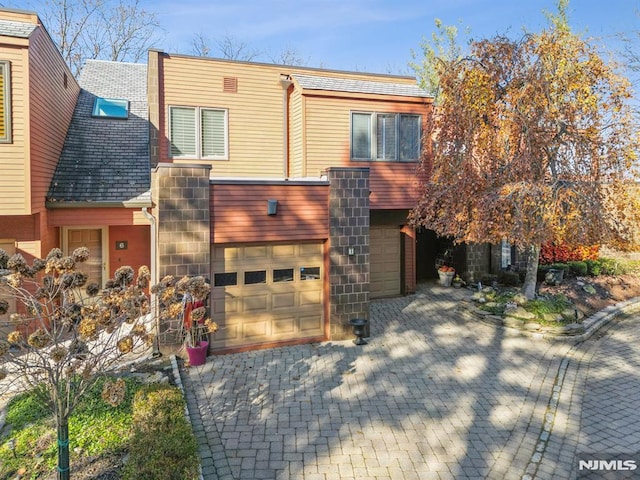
column 181, row 196
column 348, row 248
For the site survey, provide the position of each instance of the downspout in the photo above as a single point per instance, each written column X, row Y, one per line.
column 154, row 280
column 285, row 81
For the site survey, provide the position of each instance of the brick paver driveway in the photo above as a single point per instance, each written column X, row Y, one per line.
column 431, row 396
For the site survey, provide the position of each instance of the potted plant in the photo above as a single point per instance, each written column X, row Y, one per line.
column 446, row 274
column 183, row 307
column 457, row 281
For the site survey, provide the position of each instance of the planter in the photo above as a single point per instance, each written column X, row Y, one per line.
column 457, row 284
column 446, row 278
column 198, row 354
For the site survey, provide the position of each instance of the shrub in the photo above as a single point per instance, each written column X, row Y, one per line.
column 163, row 445
column 508, row 278
column 488, row 279
column 611, row 266
column 579, row 269
column 594, row 267
column 561, row 252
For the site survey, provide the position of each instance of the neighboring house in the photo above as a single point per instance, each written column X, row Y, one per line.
column 288, row 187
column 37, row 98
column 99, row 194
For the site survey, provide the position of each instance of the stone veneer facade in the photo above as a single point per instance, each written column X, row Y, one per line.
column 348, row 228
column 181, row 196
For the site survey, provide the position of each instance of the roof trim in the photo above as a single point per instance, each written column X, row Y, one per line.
column 269, row 181
column 91, row 204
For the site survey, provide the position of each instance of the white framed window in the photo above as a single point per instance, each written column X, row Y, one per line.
column 393, row 137
column 199, row 132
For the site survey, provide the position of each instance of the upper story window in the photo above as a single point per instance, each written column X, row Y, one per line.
column 198, row 132
column 393, row 137
column 5, row 102
column 110, row 108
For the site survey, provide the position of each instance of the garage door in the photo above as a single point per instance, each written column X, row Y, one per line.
column 267, row 293
column 384, row 258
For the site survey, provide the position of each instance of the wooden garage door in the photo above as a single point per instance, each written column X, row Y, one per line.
column 267, row 293
column 384, row 258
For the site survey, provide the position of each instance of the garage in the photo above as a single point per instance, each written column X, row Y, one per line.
column 267, row 293
column 384, row 258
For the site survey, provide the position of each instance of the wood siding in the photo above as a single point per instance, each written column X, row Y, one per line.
column 328, row 140
column 67, row 217
column 51, row 108
column 14, row 194
column 239, row 213
column 409, row 252
column 41, row 109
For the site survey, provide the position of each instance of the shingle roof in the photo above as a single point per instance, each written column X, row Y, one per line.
column 106, row 160
column 314, row 82
column 9, row 28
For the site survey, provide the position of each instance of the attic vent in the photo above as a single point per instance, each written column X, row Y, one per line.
column 230, row 85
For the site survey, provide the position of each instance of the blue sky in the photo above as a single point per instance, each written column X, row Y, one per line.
column 372, row 35
column 367, row 35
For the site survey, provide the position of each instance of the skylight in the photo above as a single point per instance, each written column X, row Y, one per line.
column 111, row 108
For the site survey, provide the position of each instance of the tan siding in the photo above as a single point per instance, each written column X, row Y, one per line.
column 328, row 126
column 409, row 248
column 239, row 213
column 51, row 109
column 14, row 198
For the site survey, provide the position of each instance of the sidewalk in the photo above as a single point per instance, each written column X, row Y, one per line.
column 430, row 396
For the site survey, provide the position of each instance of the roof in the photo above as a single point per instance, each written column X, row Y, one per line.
column 106, row 160
column 10, row 28
column 315, row 82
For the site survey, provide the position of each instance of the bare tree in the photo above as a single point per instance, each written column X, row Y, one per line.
column 200, row 45
column 288, row 56
column 117, row 30
column 233, row 48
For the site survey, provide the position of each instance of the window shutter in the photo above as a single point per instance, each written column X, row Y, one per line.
column 361, row 135
column 183, row 132
column 214, row 133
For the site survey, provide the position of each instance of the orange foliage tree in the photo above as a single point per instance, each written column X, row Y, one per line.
column 533, row 142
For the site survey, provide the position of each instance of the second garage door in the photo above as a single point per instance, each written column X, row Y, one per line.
column 384, row 261
column 267, row 293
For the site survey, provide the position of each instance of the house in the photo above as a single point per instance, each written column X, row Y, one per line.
column 288, row 187
column 99, row 196
column 37, row 98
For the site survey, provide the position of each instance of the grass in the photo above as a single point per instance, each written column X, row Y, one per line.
column 96, row 429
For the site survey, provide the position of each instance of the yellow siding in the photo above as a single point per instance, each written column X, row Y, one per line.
column 256, row 111
column 328, row 126
column 51, row 109
column 14, row 198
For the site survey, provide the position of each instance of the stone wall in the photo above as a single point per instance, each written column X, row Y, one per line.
column 349, row 248
column 477, row 261
column 181, row 194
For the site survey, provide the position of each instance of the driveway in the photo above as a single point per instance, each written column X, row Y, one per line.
column 432, row 396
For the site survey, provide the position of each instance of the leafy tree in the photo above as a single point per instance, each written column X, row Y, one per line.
column 533, row 142
column 116, row 30
column 65, row 339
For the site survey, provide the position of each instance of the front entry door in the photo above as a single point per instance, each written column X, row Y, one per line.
column 92, row 239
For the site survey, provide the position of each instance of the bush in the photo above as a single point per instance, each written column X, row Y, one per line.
column 611, row 266
column 163, row 445
column 488, row 279
column 578, row 269
column 508, row 278
column 561, row 252
column 594, row 267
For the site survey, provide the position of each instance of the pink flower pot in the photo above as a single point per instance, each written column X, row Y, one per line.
column 198, row 354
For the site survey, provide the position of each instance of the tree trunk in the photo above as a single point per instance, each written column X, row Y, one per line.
column 530, row 280
column 63, row 449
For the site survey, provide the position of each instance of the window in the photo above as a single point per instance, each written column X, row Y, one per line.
column 225, row 279
column 5, row 102
column 310, row 273
column 283, row 275
column 385, row 136
column 257, row 276
column 198, row 132
column 110, row 108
